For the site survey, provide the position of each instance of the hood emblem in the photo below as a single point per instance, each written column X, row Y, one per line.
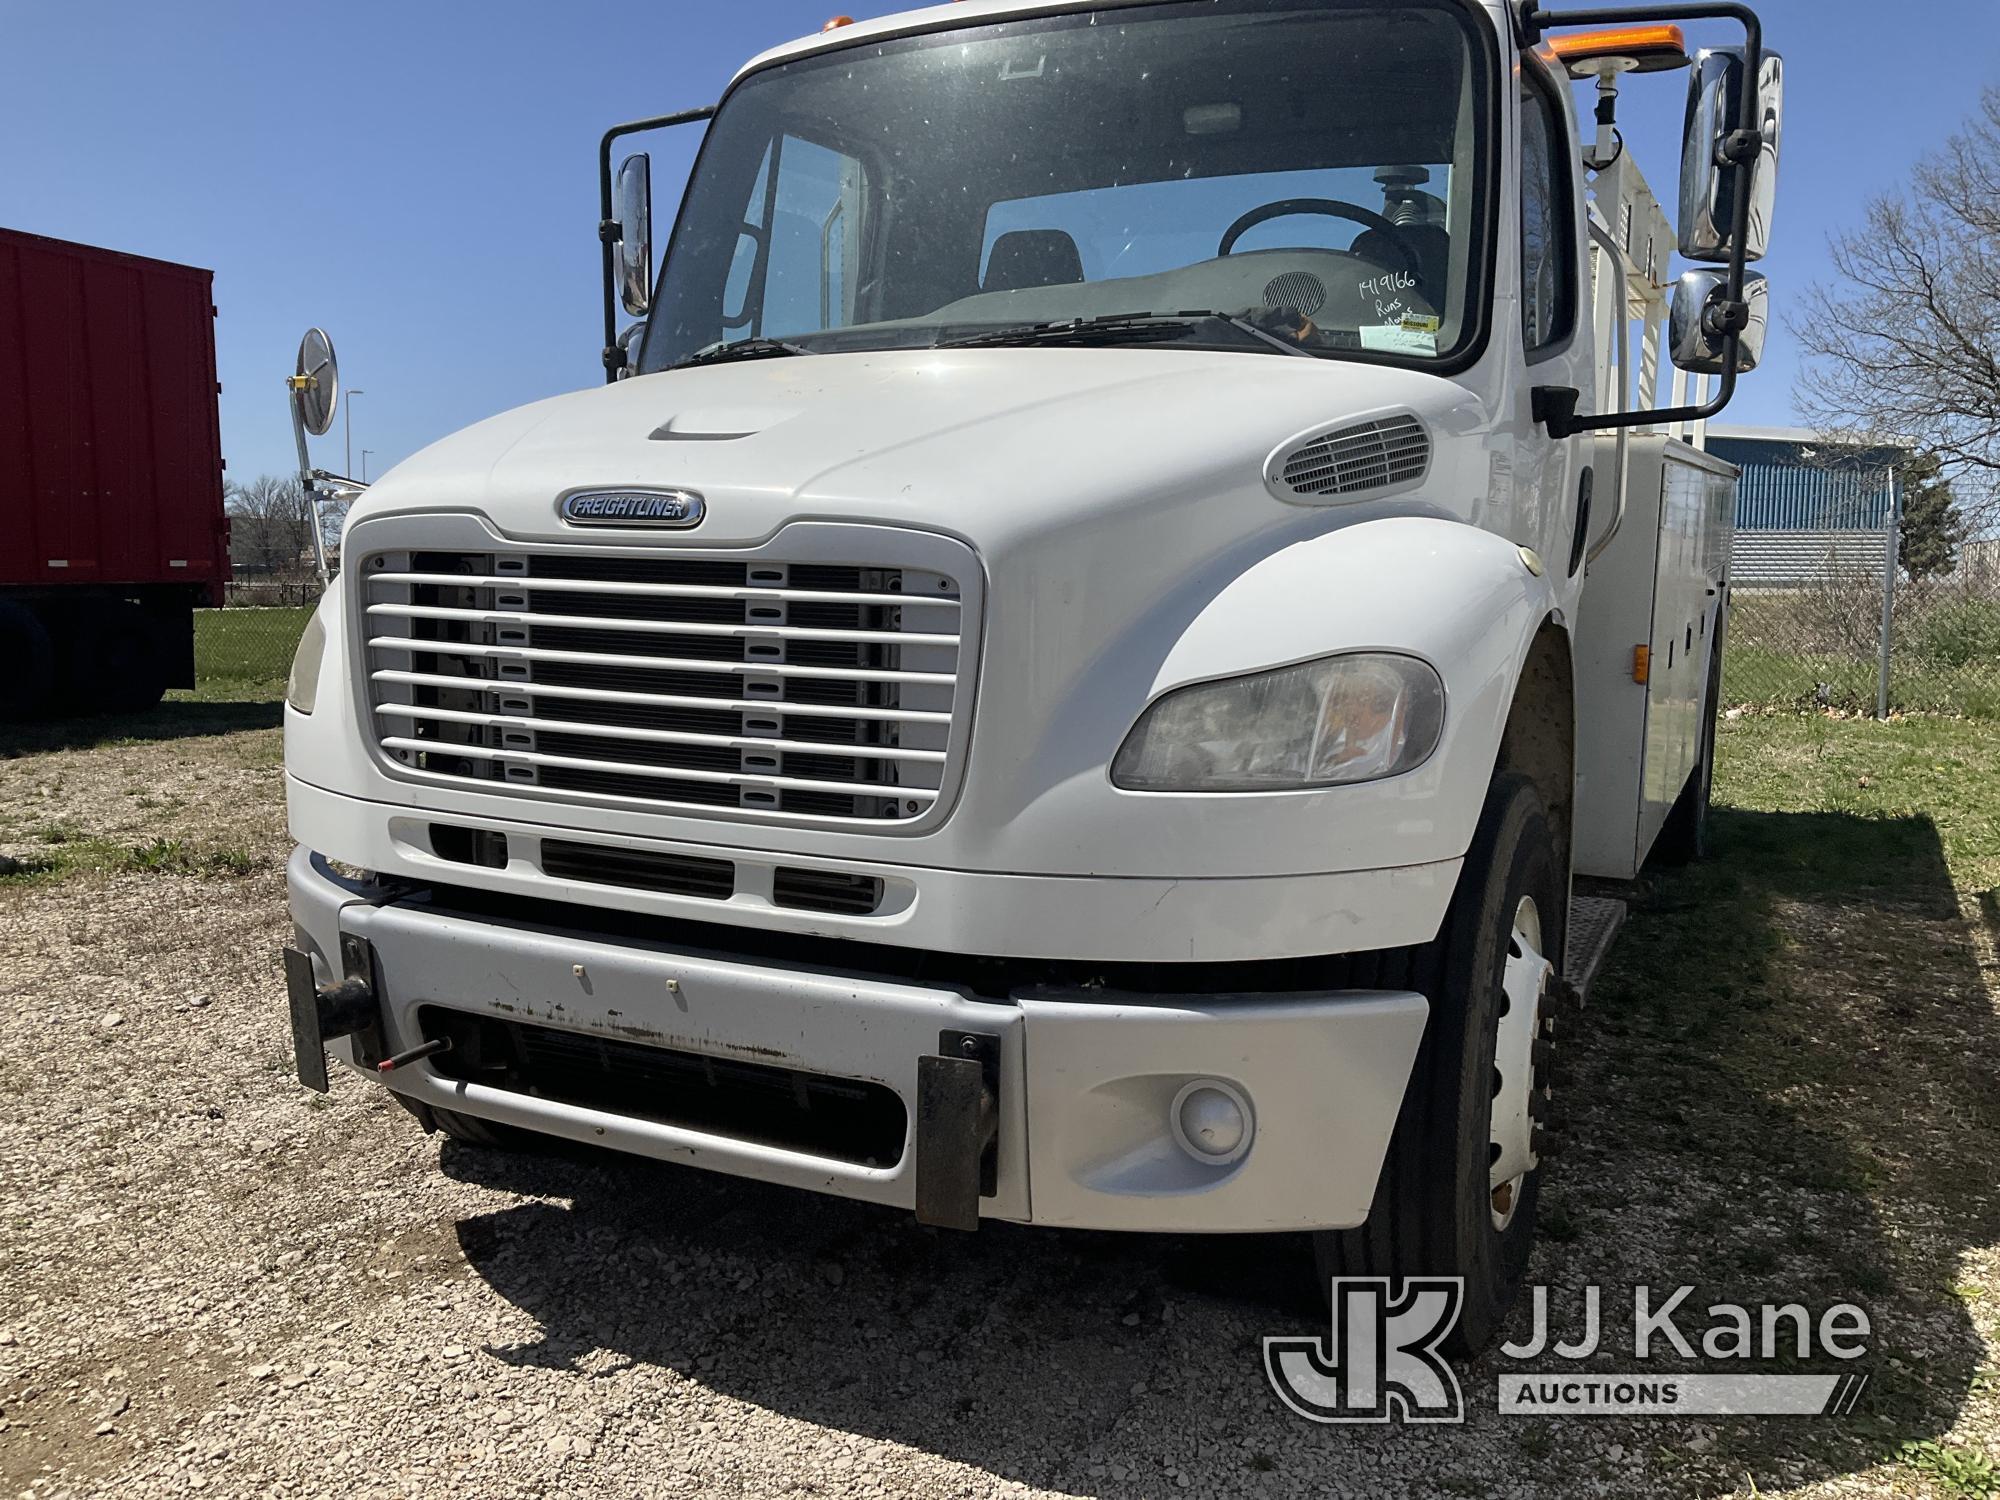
column 673, row 510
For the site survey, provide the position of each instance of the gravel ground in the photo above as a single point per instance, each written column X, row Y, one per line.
column 212, row 1281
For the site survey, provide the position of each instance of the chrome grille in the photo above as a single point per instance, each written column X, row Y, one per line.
column 743, row 686
column 1366, row 456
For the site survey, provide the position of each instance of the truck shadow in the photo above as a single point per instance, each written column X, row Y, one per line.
column 172, row 720
column 1787, row 1089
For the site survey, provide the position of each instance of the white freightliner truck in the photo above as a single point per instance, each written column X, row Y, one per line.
column 1069, row 672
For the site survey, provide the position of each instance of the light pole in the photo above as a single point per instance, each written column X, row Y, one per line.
column 349, row 467
column 364, row 464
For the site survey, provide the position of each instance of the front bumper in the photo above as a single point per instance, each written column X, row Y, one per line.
column 1085, row 918
column 1083, row 1094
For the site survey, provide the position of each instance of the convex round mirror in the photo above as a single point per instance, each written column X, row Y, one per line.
column 316, row 386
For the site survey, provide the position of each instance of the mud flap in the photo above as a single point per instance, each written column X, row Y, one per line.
column 344, row 1009
column 957, row 1129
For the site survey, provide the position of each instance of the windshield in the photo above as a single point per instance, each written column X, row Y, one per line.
column 1307, row 170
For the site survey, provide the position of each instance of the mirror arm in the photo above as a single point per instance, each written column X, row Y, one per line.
column 307, row 477
column 1741, row 144
column 1725, row 390
column 608, row 233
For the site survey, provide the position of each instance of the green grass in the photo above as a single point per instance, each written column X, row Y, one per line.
column 1917, row 784
column 1807, row 647
column 1957, row 1471
column 1754, row 675
column 1791, row 1065
column 63, row 854
column 243, row 655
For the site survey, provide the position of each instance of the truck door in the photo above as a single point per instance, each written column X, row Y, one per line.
column 1554, row 490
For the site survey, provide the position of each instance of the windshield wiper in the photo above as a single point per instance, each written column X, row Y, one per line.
column 717, row 354
column 1119, row 328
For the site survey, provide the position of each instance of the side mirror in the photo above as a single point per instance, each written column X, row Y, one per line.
column 1694, row 335
column 632, row 207
column 1708, row 180
column 315, row 387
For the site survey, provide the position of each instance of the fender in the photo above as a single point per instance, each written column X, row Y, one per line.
column 1462, row 599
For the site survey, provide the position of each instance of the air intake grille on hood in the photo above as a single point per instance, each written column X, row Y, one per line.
column 1355, row 460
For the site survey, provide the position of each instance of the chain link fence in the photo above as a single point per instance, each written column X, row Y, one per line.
column 243, row 651
column 1820, row 619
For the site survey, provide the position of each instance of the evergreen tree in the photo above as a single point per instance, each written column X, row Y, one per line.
column 1932, row 526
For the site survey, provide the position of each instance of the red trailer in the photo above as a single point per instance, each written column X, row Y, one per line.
column 111, row 518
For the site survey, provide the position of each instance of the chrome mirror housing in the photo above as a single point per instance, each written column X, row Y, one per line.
column 631, row 343
column 1694, row 338
column 1708, row 225
column 633, row 209
column 315, row 387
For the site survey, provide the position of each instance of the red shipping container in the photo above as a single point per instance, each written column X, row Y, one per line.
column 110, row 450
column 112, row 527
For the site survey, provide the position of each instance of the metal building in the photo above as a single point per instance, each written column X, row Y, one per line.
column 1807, row 510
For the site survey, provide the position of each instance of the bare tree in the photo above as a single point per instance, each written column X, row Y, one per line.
column 270, row 526
column 1905, row 345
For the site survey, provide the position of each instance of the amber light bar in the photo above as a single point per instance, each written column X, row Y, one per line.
column 1645, row 49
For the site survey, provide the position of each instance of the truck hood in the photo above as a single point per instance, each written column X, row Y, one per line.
column 992, row 445
column 1113, row 498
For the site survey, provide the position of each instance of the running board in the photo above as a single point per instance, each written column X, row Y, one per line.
column 1593, row 927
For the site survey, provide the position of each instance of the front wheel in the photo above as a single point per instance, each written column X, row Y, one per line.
column 1459, row 1188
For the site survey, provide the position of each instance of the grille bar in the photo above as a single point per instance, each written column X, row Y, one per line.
column 514, row 582
column 654, row 663
column 734, row 705
column 829, row 689
column 632, row 768
column 502, row 619
column 655, row 736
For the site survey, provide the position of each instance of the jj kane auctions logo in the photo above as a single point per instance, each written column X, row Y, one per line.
column 1380, row 1361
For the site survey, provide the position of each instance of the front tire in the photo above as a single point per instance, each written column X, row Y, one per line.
column 1458, row 1192
column 492, row 1134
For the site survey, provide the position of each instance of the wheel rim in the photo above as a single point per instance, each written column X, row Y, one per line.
column 1518, row 1088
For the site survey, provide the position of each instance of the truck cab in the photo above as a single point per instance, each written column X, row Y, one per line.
column 1062, row 677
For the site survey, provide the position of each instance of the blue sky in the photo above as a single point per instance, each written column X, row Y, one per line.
column 419, row 178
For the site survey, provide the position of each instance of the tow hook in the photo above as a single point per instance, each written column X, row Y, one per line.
column 321, row 1013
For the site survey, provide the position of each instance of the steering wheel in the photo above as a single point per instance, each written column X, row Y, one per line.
column 1333, row 208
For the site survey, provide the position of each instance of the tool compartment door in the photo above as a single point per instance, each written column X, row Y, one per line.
column 1658, row 585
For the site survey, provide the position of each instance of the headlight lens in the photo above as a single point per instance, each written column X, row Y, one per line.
column 302, row 687
column 1322, row 723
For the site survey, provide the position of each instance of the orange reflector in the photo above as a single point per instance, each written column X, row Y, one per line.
column 836, row 23
column 1642, row 664
column 1641, row 49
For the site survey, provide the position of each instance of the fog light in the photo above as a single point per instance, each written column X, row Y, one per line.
column 1212, row 1121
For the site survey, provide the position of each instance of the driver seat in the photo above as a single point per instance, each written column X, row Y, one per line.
column 1025, row 258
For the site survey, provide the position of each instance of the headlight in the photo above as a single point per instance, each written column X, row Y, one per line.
column 1321, row 723
column 302, row 687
